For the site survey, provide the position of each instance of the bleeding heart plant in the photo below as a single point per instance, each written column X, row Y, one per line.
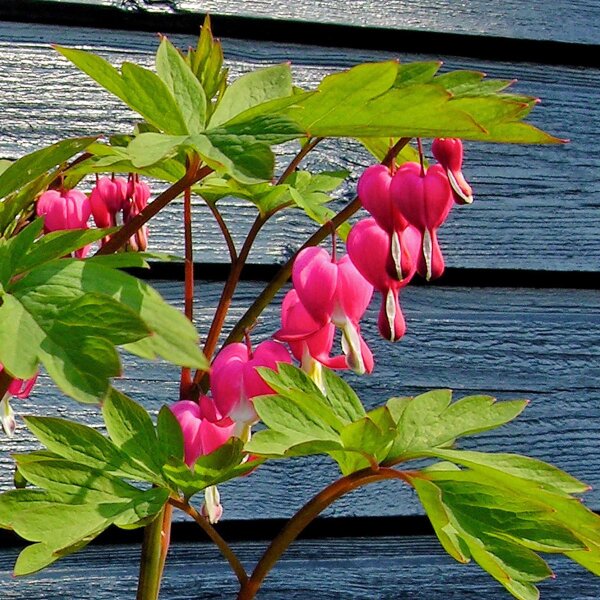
column 70, row 316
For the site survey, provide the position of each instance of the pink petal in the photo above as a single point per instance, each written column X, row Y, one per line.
column 213, row 436
column 438, row 196
column 315, row 281
column 448, row 152
column 267, row 354
column 353, row 291
column 374, row 193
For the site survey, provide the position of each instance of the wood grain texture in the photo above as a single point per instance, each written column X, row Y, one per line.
column 536, row 206
column 541, row 345
column 569, row 21
column 362, row 569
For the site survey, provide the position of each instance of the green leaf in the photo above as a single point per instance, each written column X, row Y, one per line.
column 548, row 476
column 20, row 203
column 252, row 89
column 225, row 463
column 98, row 315
column 48, row 288
column 364, row 102
column 241, row 157
column 367, row 441
column 142, row 509
column 431, row 498
column 141, row 89
column 226, row 457
column 100, row 70
column 431, row 421
column 12, row 501
column 397, row 406
column 494, row 525
column 297, row 421
column 417, row 72
column 14, row 249
column 131, row 429
column 85, row 484
column 292, row 383
column 57, row 244
column 74, row 340
column 150, row 97
column 287, row 379
column 267, row 128
column 341, row 397
column 63, row 528
column 341, row 95
column 469, row 83
column 82, row 444
column 187, row 90
column 379, row 148
column 170, row 436
column 277, row 444
column 267, row 442
column 28, row 167
column 313, row 205
column 149, row 148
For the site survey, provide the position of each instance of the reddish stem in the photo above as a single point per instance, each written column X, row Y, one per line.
column 227, row 295
column 421, row 158
column 304, row 516
column 212, row 533
column 310, row 144
column 224, row 230
column 186, row 376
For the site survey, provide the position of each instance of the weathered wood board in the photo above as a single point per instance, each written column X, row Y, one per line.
column 567, row 21
column 536, row 206
column 538, row 344
column 359, row 569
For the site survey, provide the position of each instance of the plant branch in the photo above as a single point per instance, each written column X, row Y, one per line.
column 5, row 381
column 227, row 294
column 224, row 230
column 192, row 175
column 213, row 534
column 267, row 295
column 304, row 516
column 165, row 539
column 150, row 563
column 186, row 378
column 310, row 144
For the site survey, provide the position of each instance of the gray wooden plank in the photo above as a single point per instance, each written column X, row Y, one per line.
column 382, row 569
column 536, row 206
column 569, row 21
column 538, row 344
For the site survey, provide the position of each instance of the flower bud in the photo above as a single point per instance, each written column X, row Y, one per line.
column 449, row 153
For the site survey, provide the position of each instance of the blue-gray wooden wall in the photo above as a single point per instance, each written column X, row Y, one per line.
column 537, row 208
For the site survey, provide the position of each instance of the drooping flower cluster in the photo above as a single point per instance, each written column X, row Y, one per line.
column 65, row 209
column 116, row 200
column 229, row 412
column 113, row 201
column 327, row 294
column 400, row 239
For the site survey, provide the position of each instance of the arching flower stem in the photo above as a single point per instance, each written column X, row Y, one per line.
column 305, row 515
